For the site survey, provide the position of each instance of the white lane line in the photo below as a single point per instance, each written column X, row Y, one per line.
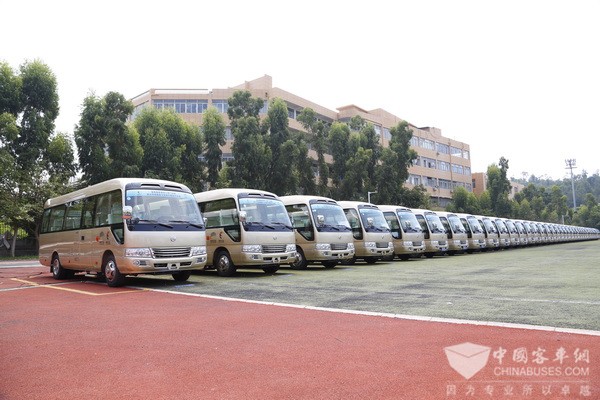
column 390, row 315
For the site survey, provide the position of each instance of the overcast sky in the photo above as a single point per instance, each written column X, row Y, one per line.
column 512, row 78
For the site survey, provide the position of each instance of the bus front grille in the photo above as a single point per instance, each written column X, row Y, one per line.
column 339, row 246
column 171, row 252
column 382, row 245
column 273, row 248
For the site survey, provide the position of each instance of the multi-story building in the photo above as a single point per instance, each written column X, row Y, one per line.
column 480, row 185
column 442, row 163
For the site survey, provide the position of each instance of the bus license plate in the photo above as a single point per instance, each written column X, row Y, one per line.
column 174, row 266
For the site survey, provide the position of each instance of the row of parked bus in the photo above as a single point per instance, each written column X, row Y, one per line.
column 130, row 226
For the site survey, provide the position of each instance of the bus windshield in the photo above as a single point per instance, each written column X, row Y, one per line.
column 409, row 222
column 332, row 217
column 475, row 225
column 457, row 226
column 161, row 210
column 373, row 220
column 264, row 214
column 435, row 224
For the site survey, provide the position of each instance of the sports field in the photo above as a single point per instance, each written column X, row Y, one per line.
column 555, row 285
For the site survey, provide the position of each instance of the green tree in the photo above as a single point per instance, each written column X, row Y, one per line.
column 251, row 154
column 172, row 147
column 32, row 169
column 395, row 161
column 213, row 129
column 107, row 146
column 499, row 188
column 339, row 136
column 318, row 133
column 283, row 158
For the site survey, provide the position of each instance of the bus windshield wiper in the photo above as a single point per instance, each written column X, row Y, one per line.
column 152, row 221
column 258, row 224
column 279, row 223
column 189, row 223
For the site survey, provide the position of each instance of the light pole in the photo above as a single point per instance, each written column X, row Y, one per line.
column 369, row 196
column 570, row 165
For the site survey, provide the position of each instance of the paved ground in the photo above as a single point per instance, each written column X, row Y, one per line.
column 80, row 339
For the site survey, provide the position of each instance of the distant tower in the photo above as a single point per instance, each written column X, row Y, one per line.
column 570, row 165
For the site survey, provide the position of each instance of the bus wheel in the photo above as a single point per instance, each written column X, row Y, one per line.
column 182, row 276
column 370, row 260
column 58, row 272
column 223, row 264
column 111, row 273
column 270, row 269
column 300, row 262
column 429, row 255
column 329, row 264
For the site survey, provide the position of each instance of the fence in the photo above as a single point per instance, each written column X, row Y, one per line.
column 25, row 245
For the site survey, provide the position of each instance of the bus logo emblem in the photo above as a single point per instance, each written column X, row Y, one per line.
column 172, row 238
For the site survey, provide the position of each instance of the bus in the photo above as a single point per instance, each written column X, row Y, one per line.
column 475, row 232
column 371, row 232
column 492, row 238
column 408, row 237
column 436, row 239
column 457, row 234
column 323, row 233
column 123, row 226
column 246, row 228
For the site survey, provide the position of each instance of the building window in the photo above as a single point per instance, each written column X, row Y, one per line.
column 182, row 106
column 443, row 166
column 443, row 148
column 221, row 105
column 456, row 152
column 377, row 130
column 386, row 134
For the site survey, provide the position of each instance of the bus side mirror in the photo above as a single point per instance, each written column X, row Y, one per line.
column 370, row 222
column 320, row 219
column 127, row 212
column 243, row 215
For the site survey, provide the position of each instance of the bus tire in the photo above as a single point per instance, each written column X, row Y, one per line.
column 300, row 262
column 270, row 269
column 182, row 276
column 224, row 264
column 329, row 264
column 370, row 260
column 113, row 276
column 58, row 272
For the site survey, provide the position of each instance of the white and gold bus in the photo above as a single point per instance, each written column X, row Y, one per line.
column 124, row 226
column 371, row 232
column 436, row 239
column 323, row 233
column 406, row 231
column 246, row 228
column 458, row 240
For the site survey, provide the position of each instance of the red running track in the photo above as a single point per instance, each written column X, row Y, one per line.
column 82, row 340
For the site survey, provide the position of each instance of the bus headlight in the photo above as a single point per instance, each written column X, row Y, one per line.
column 350, row 246
column 290, row 247
column 253, row 248
column 198, row 251
column 370, row 244
column 143, row 252
column 323, row 246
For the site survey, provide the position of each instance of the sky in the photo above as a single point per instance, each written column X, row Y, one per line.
column 518, row 79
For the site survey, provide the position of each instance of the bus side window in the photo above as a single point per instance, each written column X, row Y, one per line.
column 57, row 217
column 88, row 212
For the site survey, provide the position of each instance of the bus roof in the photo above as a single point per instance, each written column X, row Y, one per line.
column 388, row 207
column 296, row 199
column 217, row 194
column 114, row 184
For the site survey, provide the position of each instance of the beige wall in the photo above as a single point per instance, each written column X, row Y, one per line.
column 263, row 88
